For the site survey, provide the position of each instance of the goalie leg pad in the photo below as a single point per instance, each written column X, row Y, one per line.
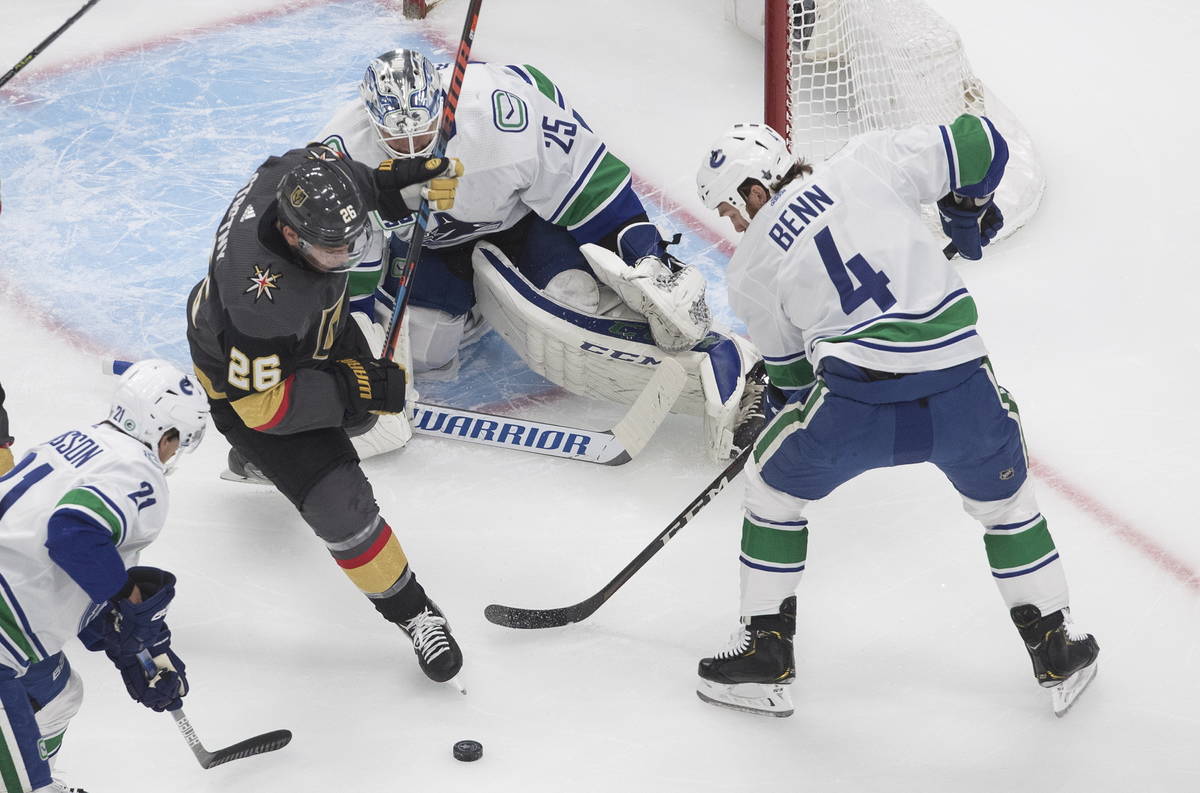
column 610, row 357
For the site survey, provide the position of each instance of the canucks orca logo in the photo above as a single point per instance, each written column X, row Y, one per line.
column 452, row 230
column 716, row 159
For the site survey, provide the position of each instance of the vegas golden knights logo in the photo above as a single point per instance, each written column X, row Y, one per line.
column 298, row 197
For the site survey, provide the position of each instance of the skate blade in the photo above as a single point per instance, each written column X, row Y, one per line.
column 457, row 684
column 761, row 699
column 1063, row 696
column 230, row 476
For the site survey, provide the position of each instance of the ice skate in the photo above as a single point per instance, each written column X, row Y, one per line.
column 751, row 674
column 1064, row 657
column 437, row 651
column 239, row 469
column 58, row 786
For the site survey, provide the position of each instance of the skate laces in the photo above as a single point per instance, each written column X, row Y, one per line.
column 428, row 632
column 1074, row 633
column 739, row 642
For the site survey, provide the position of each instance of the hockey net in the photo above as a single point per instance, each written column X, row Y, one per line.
column 837, row 68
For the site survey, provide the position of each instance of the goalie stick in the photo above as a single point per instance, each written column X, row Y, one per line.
column 514, row 617
column 615, row 446
column 259, row 744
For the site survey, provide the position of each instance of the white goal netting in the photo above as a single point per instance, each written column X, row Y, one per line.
column 852, row 66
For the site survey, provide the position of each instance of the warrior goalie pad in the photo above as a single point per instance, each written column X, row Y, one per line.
column 610, row 355
column 390, row 431
column 672, row 302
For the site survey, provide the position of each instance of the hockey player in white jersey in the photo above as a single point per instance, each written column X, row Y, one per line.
column 75, row 513
column 539, row 184
column 869, row 340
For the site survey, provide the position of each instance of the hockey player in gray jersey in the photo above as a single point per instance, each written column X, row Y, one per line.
column 869, row 340
column 547, row 241
column 290, row 376
column 75, row 514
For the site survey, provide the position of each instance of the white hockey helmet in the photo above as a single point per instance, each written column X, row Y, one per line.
column 403, row 94
column 153, row 397
column 745, row 151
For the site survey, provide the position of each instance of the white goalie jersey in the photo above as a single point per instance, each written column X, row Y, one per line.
column 97, row 475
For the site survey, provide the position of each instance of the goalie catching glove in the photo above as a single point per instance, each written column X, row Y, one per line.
column 403, row 182
column 652, row 282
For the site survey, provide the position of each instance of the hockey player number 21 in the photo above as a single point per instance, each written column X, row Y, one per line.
column 872, row 283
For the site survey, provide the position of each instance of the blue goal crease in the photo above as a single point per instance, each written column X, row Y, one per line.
column 115, row 175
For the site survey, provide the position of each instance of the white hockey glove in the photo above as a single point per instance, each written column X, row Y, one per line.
column 673, row 303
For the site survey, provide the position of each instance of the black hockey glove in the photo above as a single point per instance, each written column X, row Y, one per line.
column 970, row 223
column 370, row 384
column 402, row 182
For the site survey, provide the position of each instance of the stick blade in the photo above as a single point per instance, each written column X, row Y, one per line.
column 636, row 428
column 259, row 744
column 513, row 617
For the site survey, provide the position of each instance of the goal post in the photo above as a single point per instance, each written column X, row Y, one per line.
column 837, row 68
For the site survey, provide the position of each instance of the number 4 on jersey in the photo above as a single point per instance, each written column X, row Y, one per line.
column 872, row 283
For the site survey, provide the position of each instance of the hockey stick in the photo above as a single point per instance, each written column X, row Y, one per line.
column 514, row 617
column 36, row 51
column 259, row 744
column 449, row 108
column 615, row 446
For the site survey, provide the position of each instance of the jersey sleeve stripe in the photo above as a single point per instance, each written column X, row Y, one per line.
column 587, row 171
column 116, row 510
column 546, row 86
column 266, row 409
column 606, row 182
column 977, row 155
column 90, row 507
column 519, row 72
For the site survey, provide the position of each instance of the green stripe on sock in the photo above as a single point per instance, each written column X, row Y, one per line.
column 50, row 746
column 956, row 317
column 544, row 83
column 973, row 147
column 80, row 497
column 796, row 374
column 604, row 182
column 1011, row 551
column 774, row 545
column 8, row 769
column 790, row 416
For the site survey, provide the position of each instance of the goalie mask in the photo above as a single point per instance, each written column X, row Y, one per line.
column 745, row 151
column 321, row 202
column 154, row 397
column 403, row 94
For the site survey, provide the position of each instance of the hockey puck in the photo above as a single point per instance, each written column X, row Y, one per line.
column 468, row 751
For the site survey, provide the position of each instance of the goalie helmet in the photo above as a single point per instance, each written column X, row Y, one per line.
column 153, row 397
column 745, row 151
column 322, row 203
column 403, row 94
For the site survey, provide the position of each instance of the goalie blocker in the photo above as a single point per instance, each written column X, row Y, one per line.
column 610, row 353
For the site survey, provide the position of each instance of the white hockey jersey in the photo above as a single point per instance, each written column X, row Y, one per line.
column 99, row 475
column 523, row 147
column 841, row 263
